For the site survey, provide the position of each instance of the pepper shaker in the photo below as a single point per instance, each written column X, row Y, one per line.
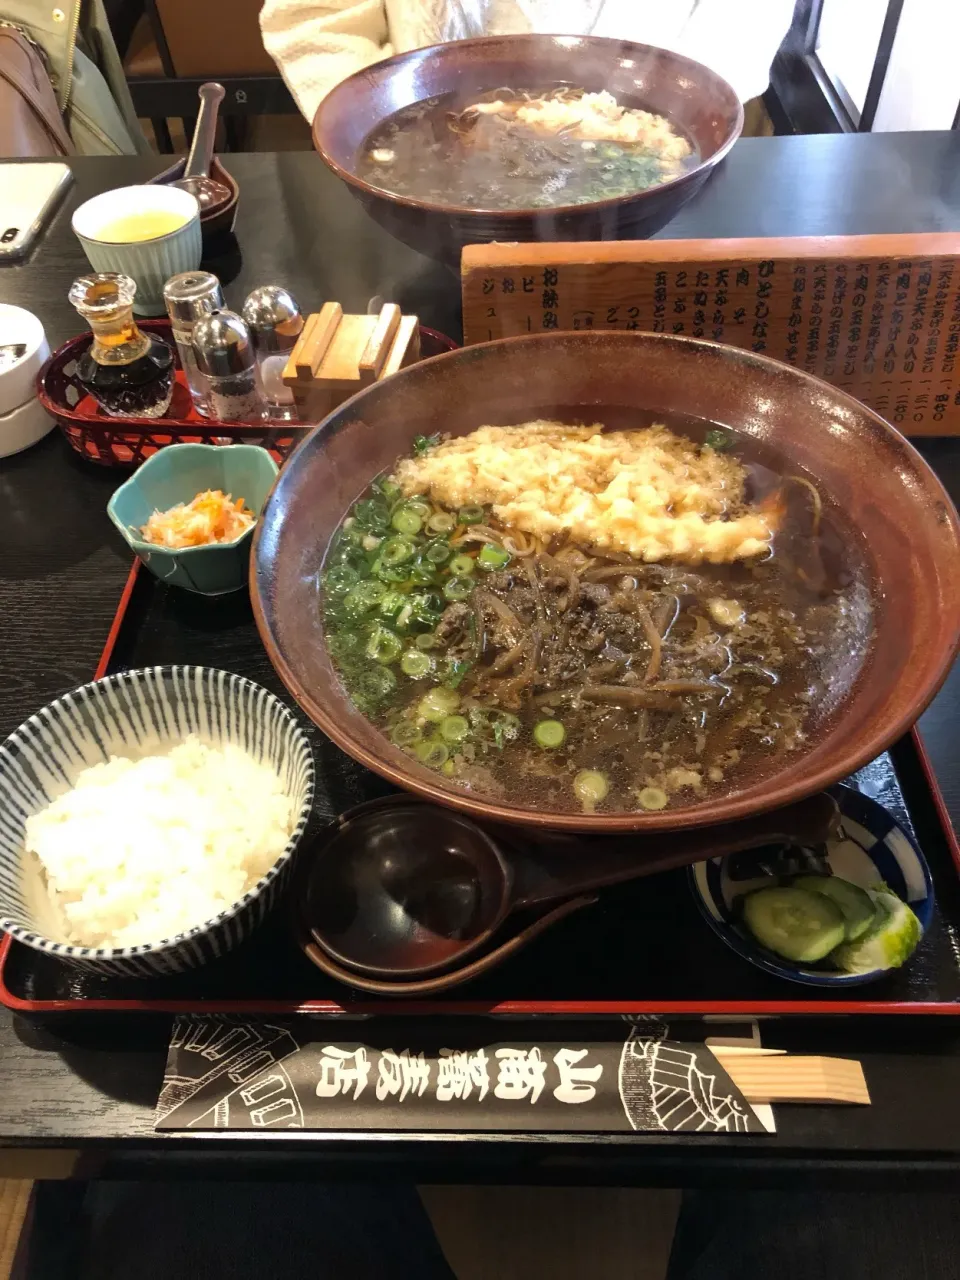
column 190, row 296
column 275, row 322
column 226, row 359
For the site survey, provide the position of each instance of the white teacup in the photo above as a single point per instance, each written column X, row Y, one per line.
column 149, row 262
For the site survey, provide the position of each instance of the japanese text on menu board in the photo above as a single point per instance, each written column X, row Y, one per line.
column 885, row 329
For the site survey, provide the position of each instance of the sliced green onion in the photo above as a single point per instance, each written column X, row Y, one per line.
column 383, row 646
column 591, row 788
column 396, row 550
column 372, row 515
column 370, row 541
column 364, row 597
column 426, row 607
column 438, row 704
column 432, row 753
column 427, row 641
column 470, row 515
column 373, row 685
column 405, row 733
column 441, row 522
column 389, row 490
column 493, row 557
column 505, row 726
column 549, row 734
column 718, row 440
column 416, row 664
column 457, row 588
column 422, row 443
column 391, row 604
column 454, row 728
column 406, row 521
column 338, row 580
column 653, row 798
column 457, row 669
column 347, row 549
column 423, row 574
column 391, row 573
column 438, row 552
column 449, row 768
column 344, row 644
column 507, row 723
column 462, row 566
column 420, row 507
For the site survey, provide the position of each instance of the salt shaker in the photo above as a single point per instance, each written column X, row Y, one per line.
column 225, row 357
column 190, row 296
column 275, row 323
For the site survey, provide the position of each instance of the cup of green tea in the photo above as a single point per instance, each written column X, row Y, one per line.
column 149, row 233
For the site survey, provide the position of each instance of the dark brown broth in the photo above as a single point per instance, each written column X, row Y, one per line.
column 497, row 165
column 769, row 682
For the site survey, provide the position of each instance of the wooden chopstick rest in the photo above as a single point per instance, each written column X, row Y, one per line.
column 337, row 355
column 784, row 1077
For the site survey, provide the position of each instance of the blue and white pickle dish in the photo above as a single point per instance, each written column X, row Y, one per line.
column 871, row 851
column 177, row 474
column 133, row 715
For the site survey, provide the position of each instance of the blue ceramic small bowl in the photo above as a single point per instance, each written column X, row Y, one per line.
column 870, row 847
column 178, row 473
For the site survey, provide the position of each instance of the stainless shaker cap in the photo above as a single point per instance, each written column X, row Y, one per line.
column 221, row 345
column 192, row 295
column 274, row 318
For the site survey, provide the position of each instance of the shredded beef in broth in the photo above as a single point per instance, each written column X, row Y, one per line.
column 556, row 676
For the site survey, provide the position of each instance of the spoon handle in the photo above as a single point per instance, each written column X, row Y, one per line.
column 551, row 870
column 201, row 148
column 453, row 977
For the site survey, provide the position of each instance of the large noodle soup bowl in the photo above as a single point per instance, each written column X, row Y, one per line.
column 890, row 498
column 694, row 98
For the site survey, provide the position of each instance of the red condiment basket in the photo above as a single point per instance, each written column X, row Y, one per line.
column 126, row 442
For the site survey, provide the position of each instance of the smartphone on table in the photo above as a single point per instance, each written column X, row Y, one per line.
column 29, row 194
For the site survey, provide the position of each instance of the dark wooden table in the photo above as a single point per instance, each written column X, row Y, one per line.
column 61, row 573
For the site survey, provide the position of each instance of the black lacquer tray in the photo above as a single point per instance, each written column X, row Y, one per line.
column 643, row 949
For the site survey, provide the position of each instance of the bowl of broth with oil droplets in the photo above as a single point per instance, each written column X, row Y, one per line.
column 527, row 138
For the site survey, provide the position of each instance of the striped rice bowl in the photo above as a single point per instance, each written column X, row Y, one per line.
column 135, row 714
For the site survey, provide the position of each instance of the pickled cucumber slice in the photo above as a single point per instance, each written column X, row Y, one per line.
column 799, row 925
column 857, row 907
column 889, row 943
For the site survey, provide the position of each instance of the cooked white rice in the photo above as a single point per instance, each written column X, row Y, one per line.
column 141, row 850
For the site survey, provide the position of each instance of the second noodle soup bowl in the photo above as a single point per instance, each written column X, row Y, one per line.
column 889, row 497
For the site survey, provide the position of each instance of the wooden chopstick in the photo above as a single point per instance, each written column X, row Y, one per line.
column 765, row 1076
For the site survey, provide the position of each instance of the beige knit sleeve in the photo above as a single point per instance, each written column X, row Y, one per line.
column 318, row 43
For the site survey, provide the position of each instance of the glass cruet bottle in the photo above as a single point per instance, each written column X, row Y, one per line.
column 128, row 372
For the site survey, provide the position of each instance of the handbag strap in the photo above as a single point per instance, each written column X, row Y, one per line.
column 33, row 92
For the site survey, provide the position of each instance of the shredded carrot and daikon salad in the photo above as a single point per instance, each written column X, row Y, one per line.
column 212, row 516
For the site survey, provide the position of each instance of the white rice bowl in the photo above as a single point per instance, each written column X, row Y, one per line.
column 195, row 788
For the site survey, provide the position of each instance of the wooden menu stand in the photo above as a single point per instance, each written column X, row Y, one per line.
column 337, row 355
column 878, row 316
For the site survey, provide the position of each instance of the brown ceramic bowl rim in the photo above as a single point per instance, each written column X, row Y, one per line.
column 708, row 813
column 560, row 210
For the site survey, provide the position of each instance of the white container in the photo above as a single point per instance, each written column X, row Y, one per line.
column 150, row 263
column 23, row 420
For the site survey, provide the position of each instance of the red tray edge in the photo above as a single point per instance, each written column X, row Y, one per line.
column 599, row 1008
